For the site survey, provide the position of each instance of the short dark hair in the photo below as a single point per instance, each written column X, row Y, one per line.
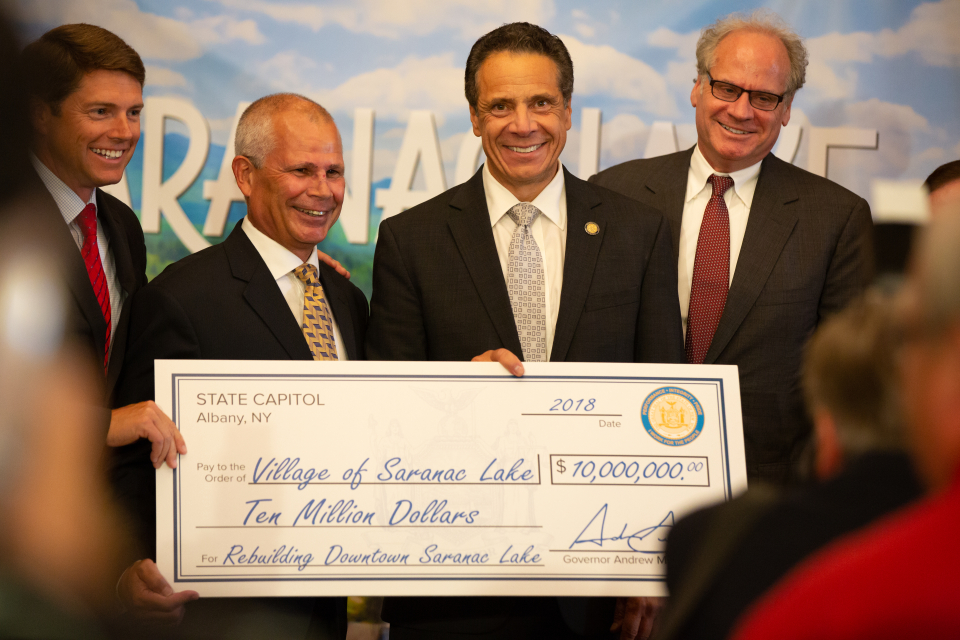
column 519, row 37
column 942, row 175
column 54, row 65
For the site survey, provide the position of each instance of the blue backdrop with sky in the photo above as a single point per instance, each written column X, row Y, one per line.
column 885, row 65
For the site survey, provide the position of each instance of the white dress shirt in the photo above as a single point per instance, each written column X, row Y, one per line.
column 71, row 206
column 738, row 199
column 549, row 230
column 281, row 262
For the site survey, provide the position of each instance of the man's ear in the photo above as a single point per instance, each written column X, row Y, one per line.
column 786, row 111
column 475, row 121
column 40, row 116
column 243, row 172
column 695, row 93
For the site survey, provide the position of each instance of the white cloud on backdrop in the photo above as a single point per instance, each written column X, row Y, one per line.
column 154, row 37
column 602, row 70
column 434, row 83
column 905, row 136
column 163, row 77
column 623, row 138
column 909, row 143
column 683, row 70
column 396, row 19
column 289, row 71
column 931, row 33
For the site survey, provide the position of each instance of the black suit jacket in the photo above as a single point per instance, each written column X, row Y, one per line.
column 785, row 533
column 439, row 291
column 221, row 303
column 86, row 326
column 439, row 294
column 806, row 253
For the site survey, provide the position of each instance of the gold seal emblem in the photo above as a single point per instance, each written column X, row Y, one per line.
column 673, row 416
column 592, row 228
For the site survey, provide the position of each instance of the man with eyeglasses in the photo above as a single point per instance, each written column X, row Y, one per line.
column 764, row 250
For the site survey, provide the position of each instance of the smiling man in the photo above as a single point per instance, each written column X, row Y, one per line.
column 261, row 294
column 85, row 87
column 522, row 260
column 765, row 251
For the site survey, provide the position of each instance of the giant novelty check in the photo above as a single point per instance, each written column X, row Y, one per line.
column 373, row 478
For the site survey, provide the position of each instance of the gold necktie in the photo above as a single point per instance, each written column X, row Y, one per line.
column 317, row 320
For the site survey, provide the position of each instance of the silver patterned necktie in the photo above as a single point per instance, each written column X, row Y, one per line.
column 526, row 284
column 317, row 320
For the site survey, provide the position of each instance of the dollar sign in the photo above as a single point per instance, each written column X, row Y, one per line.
column 560, row 467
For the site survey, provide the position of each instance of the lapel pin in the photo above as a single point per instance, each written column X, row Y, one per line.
column 592, row 228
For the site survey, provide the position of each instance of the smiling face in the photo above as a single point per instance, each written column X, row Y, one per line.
column 734, row 135
column 296, row 196
column 522, row 120
column 90, row 142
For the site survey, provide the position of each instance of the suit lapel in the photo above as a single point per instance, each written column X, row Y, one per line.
column 126, row 276
column 580, row 259
column 667, row 187
column 768, row 228
column 263, row 294
column 470, row 226
column 119, row 247
column 338, row 297
column 78, row 280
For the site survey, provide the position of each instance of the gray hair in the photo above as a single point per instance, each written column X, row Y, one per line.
column 849, row 370
column 255, row 137
column 760, row 21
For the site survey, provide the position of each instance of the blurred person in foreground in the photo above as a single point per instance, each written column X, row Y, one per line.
column 899, row 578
column 943, row 186
column 261, row 294
column 61, row 541
column 893, row 238
column 60, row 538
column 721, row 559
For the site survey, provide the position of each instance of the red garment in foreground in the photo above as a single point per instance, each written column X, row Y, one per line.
column 899, row 579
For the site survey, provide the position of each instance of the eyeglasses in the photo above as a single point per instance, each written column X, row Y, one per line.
column 731, row 93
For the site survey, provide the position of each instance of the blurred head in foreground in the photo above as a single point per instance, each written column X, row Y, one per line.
column 930, row 365
column 943, row 186
column 850, row 381
column 59, row 535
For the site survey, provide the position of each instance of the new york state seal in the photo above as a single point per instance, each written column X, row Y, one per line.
column 672, row 416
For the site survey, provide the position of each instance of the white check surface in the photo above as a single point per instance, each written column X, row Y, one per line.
column 375, row 478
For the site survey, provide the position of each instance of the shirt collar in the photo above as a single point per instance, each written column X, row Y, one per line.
column 280, row 260
column 744, row 180
column 500, row 200
column 69, row 203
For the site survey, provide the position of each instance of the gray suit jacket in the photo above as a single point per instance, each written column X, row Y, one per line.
column 806, row 253
column 439, row 294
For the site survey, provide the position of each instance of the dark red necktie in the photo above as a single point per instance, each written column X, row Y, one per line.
column 711, row 273
column 98, row 279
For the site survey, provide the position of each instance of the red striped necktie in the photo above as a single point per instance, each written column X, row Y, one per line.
column 98, row 279
column 711, row 273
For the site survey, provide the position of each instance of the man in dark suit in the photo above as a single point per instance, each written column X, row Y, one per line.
column 522, row 260
column 259, row 295
column 722, row 559
column 85, row 87
column 765, row 251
